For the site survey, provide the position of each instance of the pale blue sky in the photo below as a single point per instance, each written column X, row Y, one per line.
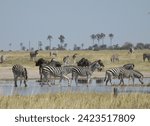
column 33, row 20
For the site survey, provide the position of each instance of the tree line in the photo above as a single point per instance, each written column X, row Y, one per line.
column 97, row 43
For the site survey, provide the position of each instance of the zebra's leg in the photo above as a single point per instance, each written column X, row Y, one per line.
column 15, row 80
column 133, row 80
column 25, row 83
column 110, row 78
column 141, row 80
column 64, row 76
column 88, row 80
column 48, row 82
column 20, row 81
column 76, row 79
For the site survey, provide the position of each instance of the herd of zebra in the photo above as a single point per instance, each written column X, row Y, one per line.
column 84, row 68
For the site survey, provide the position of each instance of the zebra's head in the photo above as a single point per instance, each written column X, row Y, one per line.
column 97, row 65
column 101, row 65
column 129, row 66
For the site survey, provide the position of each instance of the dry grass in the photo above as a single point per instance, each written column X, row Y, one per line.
column 77, row 101
column 136, row 58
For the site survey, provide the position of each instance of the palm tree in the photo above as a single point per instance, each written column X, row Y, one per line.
column 21, row 45
column 93, row 37
column 49, row 38
column 61, row 38
column 40, row 45
column 82, row 45
column 10, row 44
column 111, row 37
column 98, row 37
column 102, row 37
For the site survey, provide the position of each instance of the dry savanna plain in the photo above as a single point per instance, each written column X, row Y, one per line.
column 75, row 99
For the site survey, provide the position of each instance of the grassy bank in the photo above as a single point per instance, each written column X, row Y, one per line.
column 136, row 58
column 77, row 101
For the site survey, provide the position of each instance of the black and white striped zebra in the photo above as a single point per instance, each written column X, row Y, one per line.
column 19, row 72
column 42, row 62
column 33, row 54
column 131, row 74
column 61, row 72
column 115, row 72
column 86, row 71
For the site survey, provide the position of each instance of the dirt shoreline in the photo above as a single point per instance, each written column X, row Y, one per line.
column 33, row 73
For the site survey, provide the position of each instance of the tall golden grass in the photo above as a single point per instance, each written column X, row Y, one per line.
column 77, row 101
column 136, row 58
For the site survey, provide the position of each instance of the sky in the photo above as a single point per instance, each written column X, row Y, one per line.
column 22, row 21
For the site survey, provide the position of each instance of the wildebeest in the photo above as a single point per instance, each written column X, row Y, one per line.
column 33, row 54
column 83, row 62
column 146, row 56
column 131, row 50
column 2, row 58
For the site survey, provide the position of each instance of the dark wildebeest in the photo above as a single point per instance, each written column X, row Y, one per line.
column 33, row 54
column 146, row 56
column 83, row 62
column 131, row 50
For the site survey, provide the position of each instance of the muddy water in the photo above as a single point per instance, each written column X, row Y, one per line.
column 34, row 87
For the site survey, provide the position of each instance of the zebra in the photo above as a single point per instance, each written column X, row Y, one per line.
column 115, row 72
column 131, row 74
column 74, row 57
column 86, row 71
column 53, row 53
column 146, row 56
column 114, row 57
column 41, row 62
column 19, row 71
column 66, row 60
column 61, row 72
column 33, row 54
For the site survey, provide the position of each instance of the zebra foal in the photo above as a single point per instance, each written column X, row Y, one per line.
column 19, row 71
column 115, row 72
column 131, row 74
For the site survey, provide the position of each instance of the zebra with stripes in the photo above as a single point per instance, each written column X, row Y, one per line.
column 33, row 54
column 86, row 71
column 21, row 72
column 61, row 72
column 131, row 74
column 115, row 72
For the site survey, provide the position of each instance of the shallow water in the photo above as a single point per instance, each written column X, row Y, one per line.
column 34, row 87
